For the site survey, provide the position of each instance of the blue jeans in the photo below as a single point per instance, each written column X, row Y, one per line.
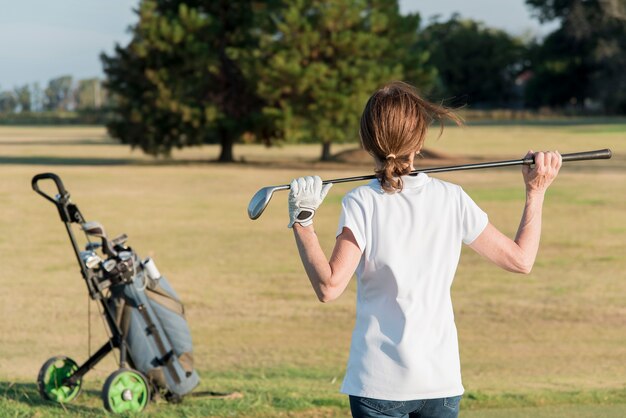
column 424, row 408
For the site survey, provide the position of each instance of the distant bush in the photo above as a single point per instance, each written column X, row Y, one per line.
column 82, row 117
column 522, row 114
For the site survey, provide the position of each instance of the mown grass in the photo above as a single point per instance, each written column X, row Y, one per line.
column 256, row 393
column 295, row 392
column 549, row 344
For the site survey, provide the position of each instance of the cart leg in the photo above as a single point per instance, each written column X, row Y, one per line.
column 90, row 363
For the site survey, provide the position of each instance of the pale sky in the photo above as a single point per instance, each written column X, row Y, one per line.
column 512, row 16
column 43, row 39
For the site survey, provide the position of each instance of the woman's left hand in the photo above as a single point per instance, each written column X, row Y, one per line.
column 541, row 175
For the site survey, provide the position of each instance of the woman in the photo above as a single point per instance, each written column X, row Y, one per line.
column 402, row 235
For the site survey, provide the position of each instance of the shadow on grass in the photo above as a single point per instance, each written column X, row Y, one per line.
column 28, row 394
column 42, row 160
column 96, row 161
column 62, row 142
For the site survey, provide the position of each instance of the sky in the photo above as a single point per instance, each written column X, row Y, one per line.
column 43, row 39
column 512, row 16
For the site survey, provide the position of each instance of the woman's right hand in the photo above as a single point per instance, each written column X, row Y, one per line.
column 539, row 177
column 305, row 196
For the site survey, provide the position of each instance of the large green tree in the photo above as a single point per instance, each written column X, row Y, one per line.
column 321, row 59
column 561, row 73
column 402, row 33
column 475, row 64
column 186, row 77
column 595, row 31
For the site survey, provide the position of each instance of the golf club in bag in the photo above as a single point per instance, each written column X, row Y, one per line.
column 142, row 312
column 262, row 198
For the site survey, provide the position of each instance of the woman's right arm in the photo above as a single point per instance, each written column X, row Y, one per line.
column 519, row 255
column 328, row 278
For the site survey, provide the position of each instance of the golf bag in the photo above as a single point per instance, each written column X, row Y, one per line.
column 144, row 315
column 152, row 318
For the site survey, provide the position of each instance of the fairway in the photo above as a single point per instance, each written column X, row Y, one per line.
column 550, row 344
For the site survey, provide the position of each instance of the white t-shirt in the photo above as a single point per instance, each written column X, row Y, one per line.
column 404, row 343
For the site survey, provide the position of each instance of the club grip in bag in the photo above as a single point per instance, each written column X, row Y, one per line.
column 601, row 154
column 49, row 176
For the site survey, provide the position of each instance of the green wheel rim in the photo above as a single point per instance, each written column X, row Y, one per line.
column 127, row 392
column 53, row 377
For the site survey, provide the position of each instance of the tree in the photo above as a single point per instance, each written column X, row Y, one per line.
column 24, row 98
column 473, row 61
column 323, row 59
column 89, row 94
column 8, row 102
column 186, row 76
column 598, row 27
column 37, row 98
column 561, row 74
column 58, row 95
column 404, row 48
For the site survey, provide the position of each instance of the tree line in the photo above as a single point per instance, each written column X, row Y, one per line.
column 61, row 94
column 227, row 71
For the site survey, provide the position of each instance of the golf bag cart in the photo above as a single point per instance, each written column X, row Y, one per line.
column 143, row 314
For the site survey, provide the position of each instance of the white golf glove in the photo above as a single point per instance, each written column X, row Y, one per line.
column 305, row 196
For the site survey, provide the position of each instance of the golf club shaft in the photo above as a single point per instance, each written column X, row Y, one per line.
column 601, row 154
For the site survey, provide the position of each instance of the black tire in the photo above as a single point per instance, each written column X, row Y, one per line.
column 126, row 390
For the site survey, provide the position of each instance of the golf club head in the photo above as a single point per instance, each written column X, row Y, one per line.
column 259, row 202
column 90, row 258
column 94, row 229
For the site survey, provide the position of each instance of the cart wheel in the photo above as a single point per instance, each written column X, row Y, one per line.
column 173, row 398
column 125, row 390
column 51, row 377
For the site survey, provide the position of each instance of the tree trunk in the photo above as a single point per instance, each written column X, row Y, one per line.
column 226, row 153
column 326, row 151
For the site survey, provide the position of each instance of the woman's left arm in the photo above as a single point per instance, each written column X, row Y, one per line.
column 519, row 255
column 328, row 278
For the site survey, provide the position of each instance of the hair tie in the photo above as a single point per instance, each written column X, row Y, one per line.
column 390, row 156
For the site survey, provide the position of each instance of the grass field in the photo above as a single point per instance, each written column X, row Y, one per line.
column 551, row 344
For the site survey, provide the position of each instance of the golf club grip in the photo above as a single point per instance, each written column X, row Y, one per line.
column 601, row 154
column 50, row 176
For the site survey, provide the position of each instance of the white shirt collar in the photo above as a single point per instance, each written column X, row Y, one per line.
column 418, row 180
column 408, row 182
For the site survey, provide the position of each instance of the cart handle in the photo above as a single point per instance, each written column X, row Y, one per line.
column 57, row 181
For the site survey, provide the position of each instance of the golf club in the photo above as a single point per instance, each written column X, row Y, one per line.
column 95, row 229
column 262, row 198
